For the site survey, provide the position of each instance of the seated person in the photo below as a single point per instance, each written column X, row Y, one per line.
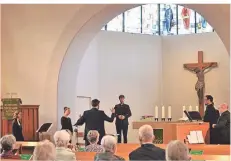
column 109, row 144
column 45, row 136
column 44, row 151
column 93, row 138
column 223, row 125
column 176, row 150
column 147, row 151
column 61, row 139
column 7, row 143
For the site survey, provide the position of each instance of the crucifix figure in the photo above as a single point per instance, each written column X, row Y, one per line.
column 200, row 69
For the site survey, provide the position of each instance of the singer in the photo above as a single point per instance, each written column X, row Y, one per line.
column 122, row 112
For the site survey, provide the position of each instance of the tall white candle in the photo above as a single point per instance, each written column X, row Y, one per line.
column 169, row 112
column 190, row 108
column 183, row 112
column 197, row 109
column 156, row 112
column 163, row 112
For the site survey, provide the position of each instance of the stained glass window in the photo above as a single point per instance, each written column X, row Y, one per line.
column 116, row 24
column 186, row 20
column 168, row 19
column 133, row 20
column 150, row 19
column 159, row 19
column 202, row 25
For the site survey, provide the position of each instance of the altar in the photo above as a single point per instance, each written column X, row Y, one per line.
column 176, row 130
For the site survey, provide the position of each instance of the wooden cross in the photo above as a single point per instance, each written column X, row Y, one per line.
column 199, row 69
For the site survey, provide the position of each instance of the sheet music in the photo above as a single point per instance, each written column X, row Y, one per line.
column 193, row 136
column 200, row 137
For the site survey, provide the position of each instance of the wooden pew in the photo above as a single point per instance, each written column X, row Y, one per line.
column 127, row 148
column 207, row 149
column 89, row 156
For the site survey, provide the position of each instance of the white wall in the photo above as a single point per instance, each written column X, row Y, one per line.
column 128, row 64
column 134, row 64
column 179, row 83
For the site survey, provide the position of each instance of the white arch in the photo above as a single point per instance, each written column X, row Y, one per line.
column 83, row 31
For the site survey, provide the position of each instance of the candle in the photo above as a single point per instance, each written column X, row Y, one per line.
column 163, row 112
column 197, row 109
column 156, row 112
column 169, row 112
column 183, row 112
column 190, row 108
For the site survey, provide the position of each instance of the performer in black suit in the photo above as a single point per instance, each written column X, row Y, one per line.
column 147, row 150
column 122, row 112
column 94, row 120
column 66, row 121
column 17, row 126
column 223, row 125
column 211, row 116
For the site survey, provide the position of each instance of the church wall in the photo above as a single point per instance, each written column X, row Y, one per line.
column 134, row 64
column 178, row 84
column 128, row 64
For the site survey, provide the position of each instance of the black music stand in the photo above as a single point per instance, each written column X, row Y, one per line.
column 44, row 128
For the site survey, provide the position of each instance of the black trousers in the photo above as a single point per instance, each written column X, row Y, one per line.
column 122, row 128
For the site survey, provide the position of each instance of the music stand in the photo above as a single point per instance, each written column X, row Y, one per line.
column 195, row 115
column 188, row 116
column 44, row 128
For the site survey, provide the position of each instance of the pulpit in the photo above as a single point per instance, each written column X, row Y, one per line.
column 30, row 122
column 176, row 130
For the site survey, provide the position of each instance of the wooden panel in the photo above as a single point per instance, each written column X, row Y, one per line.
column 29, row 122
column 86, row 156
column 184, row 130
column 175, row 130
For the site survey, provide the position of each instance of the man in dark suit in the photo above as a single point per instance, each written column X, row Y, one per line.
column 94, row 120
column 223, row 125
column 147, row 151
column 211, row 116
column 122, row 112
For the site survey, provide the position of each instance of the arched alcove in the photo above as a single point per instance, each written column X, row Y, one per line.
column 85, row 30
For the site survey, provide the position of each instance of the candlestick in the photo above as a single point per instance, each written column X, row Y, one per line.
column 197, row 109
column 156, row 112
column 190, row 108
column 169, row 112
column 163, row 112
column 183, row 112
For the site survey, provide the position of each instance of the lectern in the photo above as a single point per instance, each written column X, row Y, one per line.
column 176, row 130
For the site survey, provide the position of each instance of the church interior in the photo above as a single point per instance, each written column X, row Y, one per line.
column 56, row 56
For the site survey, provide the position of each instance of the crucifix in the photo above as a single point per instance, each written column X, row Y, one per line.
column 200, row 69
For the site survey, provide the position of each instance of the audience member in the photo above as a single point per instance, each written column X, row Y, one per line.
column 45, row 136
column 44, row 151
column 177, row 150
column 7, row 143
column 93, row 138
column 147, row 151
column 109, row 144
column 61, row 139
column 223, row 125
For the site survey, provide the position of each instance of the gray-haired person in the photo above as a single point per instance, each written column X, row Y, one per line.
column 177, row 150
column 109, row 144
column 7, row 143
column 93, row 138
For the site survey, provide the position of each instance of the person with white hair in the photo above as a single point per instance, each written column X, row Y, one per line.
column 7, row 143
column 147, row 151
column 44, row 151
column 109, row 144
column 223, row 125
column 177, row 150
column 61, row 139
column 93, row 138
